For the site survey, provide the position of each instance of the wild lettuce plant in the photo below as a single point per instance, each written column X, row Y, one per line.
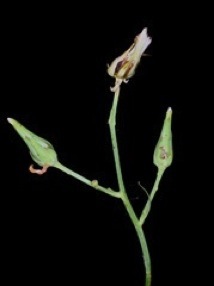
column 44, row 155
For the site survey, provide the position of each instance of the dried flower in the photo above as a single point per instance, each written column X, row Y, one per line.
column 123, row 67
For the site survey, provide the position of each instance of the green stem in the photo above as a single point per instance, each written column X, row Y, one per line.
column 141, row 237
column 112, row 124
column 146, row 255
column 124, row 197
column 147, row 207
column 93, row 184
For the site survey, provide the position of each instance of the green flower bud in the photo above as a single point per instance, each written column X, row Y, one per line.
column 163, row 153
column 41, row 151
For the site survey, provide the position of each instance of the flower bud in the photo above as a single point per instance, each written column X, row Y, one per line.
column 41, row 151
column 163, row 153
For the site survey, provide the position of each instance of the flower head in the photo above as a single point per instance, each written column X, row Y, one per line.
column 41, row 151
column 163, row 153
column 123, row 67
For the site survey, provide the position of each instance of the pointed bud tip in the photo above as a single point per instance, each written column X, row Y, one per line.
column 169, row 112
column 10, row 120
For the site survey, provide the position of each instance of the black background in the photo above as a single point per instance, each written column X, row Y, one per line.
column 54, row 228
